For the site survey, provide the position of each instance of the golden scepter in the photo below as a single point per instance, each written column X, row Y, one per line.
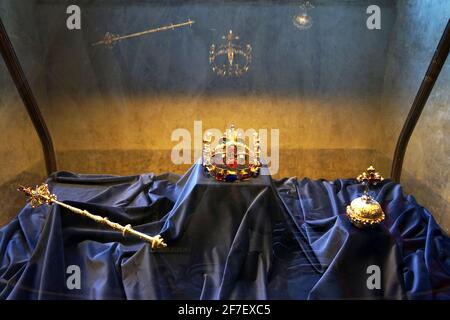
column 110, row 38
column 41, row 195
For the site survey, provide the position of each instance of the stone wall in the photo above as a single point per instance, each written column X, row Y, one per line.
column 417, row 30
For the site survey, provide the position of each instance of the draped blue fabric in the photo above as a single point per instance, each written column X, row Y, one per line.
column 258, row 239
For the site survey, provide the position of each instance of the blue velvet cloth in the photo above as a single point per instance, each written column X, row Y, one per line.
column 258, row 239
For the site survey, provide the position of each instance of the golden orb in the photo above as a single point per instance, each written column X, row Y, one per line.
column 365, row 212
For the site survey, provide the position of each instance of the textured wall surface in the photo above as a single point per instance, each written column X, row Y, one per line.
column 21, row 160
column 417, row 30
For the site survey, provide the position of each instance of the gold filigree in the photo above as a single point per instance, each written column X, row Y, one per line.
column 371, row 176
column 365, row 212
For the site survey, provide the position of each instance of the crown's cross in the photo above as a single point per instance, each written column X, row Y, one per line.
column 41, row 195
column 230, row 36
column 368, row 178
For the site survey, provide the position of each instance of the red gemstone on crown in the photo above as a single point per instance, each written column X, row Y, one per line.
column 232, row 157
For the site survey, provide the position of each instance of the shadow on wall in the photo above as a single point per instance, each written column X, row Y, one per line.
column 414, row 39
column 21, row 158
column 13, row 201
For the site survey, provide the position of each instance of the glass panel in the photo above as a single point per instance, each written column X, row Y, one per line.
column 333, row 92
column 21, row 158
column 114, row 110
column 425, row 171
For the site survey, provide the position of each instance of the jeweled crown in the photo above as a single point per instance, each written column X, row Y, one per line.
column 231, row 159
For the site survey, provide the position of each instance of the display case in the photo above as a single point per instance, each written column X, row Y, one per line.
column 126, row 92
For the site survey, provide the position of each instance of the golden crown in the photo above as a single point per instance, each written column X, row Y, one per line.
column 238, row 58
column 231, row 159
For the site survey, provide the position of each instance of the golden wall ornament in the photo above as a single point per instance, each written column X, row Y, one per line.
column 41, row 195
column 365, row 211
column 231, row 159
column 230, row 59
column 110, row 39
